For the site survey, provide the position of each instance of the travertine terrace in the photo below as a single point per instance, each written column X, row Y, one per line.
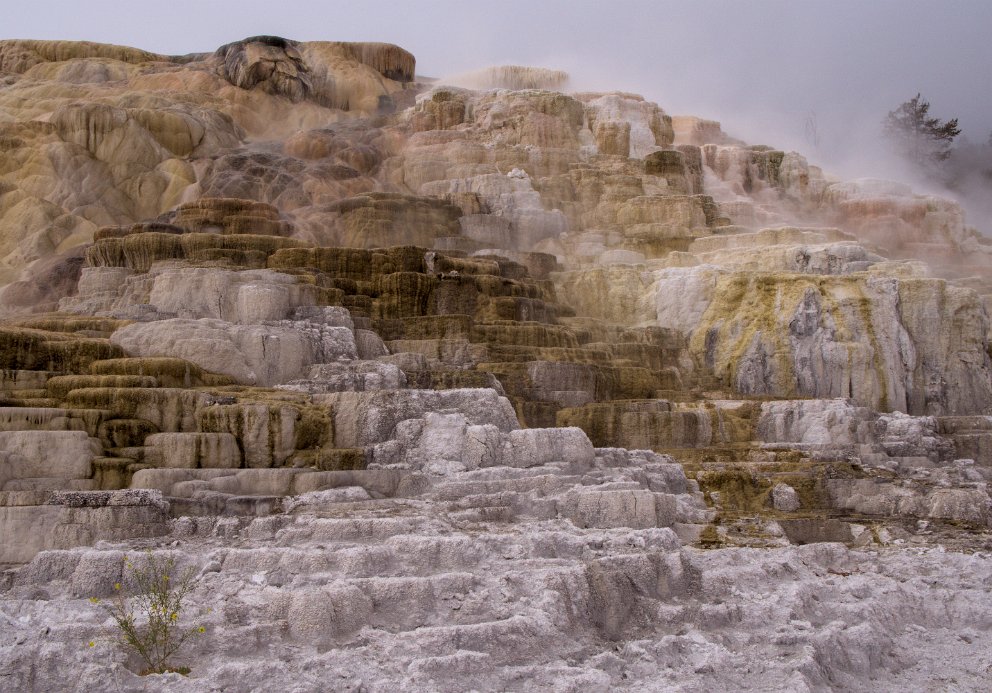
column 476, row 383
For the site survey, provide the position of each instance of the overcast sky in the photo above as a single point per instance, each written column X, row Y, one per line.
column 765, row 68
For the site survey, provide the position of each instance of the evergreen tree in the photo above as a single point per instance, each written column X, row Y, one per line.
column 923, row 140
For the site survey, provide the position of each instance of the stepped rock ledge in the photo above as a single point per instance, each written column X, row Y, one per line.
column 475, row 383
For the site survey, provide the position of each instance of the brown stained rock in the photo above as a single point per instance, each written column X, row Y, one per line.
column 168, row 409
column 140, row 251
column 270, row 63
column 192, row 451
column 443, row 110
column 33, row 349
column 320, row 71
column 51, row 279
column 59, row 386
column 167, row 371
column 613, row 138
column 379, row 219
column 125, row 433
column 230, row 216
column 18, row 55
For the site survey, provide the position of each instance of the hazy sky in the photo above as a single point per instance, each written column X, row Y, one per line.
column 761, row 67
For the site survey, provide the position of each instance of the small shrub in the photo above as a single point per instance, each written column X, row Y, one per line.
column 150, row 621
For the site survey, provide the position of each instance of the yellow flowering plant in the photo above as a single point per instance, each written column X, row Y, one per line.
column 149, row 619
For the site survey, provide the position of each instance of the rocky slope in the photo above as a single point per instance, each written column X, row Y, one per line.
column 480, row 383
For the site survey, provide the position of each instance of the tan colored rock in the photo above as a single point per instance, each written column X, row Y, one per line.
column 266, row 432
column 46, row 282
column 167, row 409
column 696, row 131
column 337, row 75
column 893, row 217
column 377, row 220
column 18, row 56
column 440, row 109
column 678, row 211
column 647, row 127
column 192, row 450
column 144, row 137
column 122, row 127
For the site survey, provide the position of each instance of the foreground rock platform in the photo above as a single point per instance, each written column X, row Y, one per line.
column 370, row 595
column 475, row 384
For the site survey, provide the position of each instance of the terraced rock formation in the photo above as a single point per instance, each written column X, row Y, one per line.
column 478, row 384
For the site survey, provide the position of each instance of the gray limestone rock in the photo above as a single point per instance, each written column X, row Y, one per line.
column 253, row 354
column 349, row 376
column 366, row 418
column 785, row 498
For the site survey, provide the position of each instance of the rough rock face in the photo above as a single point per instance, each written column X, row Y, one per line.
column 96, row 135
column 475, row 383
column 298, row 71
column 254, row 355
column 868, row 338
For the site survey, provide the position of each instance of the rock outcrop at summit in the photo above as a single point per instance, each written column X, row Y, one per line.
column 96, row 135
column 475, row 382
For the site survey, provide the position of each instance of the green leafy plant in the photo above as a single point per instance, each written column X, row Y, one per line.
column 149, row 622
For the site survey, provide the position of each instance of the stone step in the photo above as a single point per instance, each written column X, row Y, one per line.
column 223, row 505
column 963, row 424
column 52, row 419
column 505, row 641
column 873, row 459
column 975, row 446
column 51, row 484
column 499, row 514
column 544, row 483
column 915, row 463
column 367, row 567
column 360, row 529
column 20, row 380
column 284, row 481
column 36, row 402
column 22, row 394
column 408, row 553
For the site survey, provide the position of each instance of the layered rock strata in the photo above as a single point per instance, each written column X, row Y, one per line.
column 475, row 382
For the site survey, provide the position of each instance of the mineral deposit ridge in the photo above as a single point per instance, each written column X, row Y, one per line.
column 475, row 383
